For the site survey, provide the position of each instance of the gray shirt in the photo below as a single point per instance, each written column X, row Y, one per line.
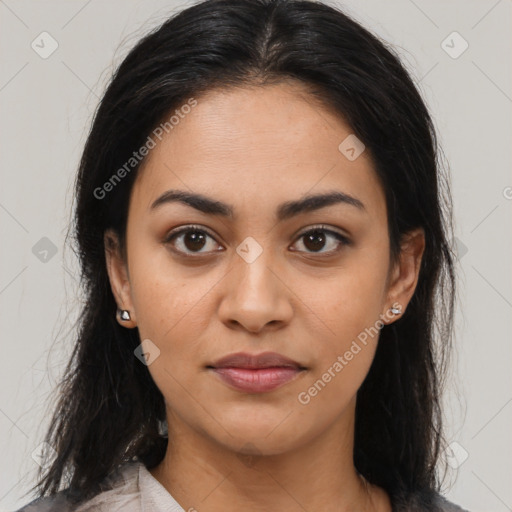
column 134, row 489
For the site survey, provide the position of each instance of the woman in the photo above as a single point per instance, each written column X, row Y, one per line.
column 264, row 242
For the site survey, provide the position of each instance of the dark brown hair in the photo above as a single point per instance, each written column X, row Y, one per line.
column 110, row 410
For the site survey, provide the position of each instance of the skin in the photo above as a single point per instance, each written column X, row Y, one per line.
column 255, row 148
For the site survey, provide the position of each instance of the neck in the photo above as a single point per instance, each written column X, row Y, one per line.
column 201, row 474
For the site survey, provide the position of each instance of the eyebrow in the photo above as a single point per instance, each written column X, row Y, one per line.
column 284, row 211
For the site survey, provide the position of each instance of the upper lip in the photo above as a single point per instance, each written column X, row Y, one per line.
column 255, row 361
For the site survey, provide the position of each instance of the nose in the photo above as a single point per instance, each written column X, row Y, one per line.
column 256, row 297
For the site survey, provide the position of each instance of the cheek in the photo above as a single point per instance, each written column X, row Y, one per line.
column 171, row 302
column 344, row 305
column 346, row 311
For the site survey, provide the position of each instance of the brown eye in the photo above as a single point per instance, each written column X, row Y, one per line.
column 194, row 240
column 317, row 239
column 314, row 240
column 190, row 240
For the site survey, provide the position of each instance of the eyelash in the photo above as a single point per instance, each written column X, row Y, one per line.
column 343, row 240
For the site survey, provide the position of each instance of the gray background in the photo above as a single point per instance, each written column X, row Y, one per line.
column 46, row 107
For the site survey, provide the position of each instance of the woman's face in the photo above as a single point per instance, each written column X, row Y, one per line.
column 259, row 279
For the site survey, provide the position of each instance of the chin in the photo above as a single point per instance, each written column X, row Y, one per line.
column 255, row 446
column 254, row 435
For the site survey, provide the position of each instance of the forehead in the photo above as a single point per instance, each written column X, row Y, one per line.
column 254, row 147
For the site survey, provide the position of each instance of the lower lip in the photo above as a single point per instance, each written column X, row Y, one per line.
column 257, row 380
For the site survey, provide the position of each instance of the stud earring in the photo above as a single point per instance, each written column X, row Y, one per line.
column 396, row 311
column 124, row 314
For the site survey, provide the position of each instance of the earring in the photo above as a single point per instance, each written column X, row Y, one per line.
column 124, row 314
column 396, row 311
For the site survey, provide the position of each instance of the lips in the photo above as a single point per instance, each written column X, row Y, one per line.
column 256, row 373
column 264, row 360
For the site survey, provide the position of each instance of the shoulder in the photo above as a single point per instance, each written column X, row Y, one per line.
column 57, row 503
column 120, row 489
column 425, row 501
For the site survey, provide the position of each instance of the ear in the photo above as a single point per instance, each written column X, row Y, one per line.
column 117, row 269
column 404, row 275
